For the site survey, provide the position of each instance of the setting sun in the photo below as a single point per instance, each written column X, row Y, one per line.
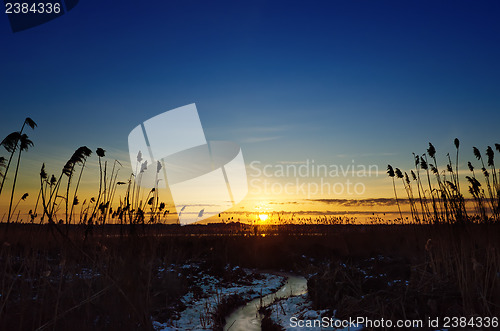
column 263, row 217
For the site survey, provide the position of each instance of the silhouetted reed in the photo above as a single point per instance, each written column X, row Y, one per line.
column 392, row 174
column 24, row 144
column 448, row 204
column 10, row 144
column 2, row 165
column 79, row 157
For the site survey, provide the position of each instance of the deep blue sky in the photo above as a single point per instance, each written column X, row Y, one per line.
column 289, row 80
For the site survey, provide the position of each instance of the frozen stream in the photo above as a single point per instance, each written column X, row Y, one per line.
column 247, row 317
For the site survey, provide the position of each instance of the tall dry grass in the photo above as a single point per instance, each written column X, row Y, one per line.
column 462, row 260
column 440, row 199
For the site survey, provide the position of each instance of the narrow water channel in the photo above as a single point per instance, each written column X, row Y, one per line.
column 247, row 317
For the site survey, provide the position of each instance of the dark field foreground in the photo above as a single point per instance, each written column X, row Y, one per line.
column 122, row 278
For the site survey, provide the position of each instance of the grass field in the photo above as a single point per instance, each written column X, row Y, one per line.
column 52, row 277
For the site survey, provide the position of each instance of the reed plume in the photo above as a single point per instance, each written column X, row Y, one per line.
column 100, row 153
column 495, row 189
column 10, row 144
column 390, row 172
column 23, row 198
column 425, row 166
column 79, row 157
column 457, row 181
column 420, row 189
column 486, row 175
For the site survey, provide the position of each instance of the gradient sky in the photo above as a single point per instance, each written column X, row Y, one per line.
column 330, row 81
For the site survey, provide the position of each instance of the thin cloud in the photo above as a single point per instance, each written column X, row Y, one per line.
column 366, row 202
column 258, row 134
column 252, row 140
column 265, row 129
column 361, row 202
column 311, row 212
column 343, row 156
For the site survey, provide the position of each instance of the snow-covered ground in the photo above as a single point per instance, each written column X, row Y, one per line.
column 295, row 313
column 291, row 313
column 198, row 310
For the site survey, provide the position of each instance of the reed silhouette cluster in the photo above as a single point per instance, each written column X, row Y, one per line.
column 16, row 142
column 58, row 201
column 435, row 196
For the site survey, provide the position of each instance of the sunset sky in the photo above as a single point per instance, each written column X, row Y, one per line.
column 342, row 83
